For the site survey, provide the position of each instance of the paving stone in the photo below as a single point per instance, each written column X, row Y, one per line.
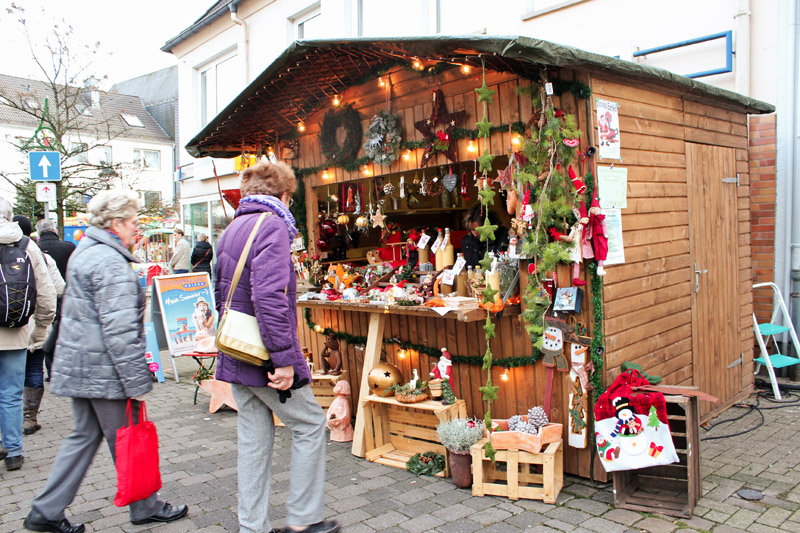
column 526, row 519
column 774, row 516
column 727, row 529
column 462, row 525
column 385, row 520
column 422, row 523
column 601, row 525
column 656, row 525
column 565, row 514
column 592, row 507
column 559, row 525
column 623, row 516
column 696, row 522
column 742, row 519
column 490, row 516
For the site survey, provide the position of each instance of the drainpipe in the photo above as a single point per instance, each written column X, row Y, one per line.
column 234, row 7
column 787, row 164
column 742, row 18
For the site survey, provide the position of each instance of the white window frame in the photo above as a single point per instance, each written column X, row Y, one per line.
column 106, row 150
column 532, row 12
column 208, row 71
column 141, row 161
column 295, row 23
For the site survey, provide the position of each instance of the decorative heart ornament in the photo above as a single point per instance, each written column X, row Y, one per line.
column 450, row 180
column 572, row 143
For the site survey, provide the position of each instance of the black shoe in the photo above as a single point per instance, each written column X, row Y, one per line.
column 167, row 514
column 36, row 522
column 326, row 526
column 3, row 451
column 14, row 463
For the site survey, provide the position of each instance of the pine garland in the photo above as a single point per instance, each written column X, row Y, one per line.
column 597, row 349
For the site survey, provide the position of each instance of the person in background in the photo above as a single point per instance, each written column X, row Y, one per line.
column 202, row 255
column 60, row 251
column 100, row 361
column 180, row 262
column 471, row 245
column 267, row 290
column 34, row 374
column 14, row 342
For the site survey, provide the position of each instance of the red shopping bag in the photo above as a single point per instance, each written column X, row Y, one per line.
column 138, row 475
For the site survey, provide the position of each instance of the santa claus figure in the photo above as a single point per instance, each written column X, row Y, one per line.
column 444, row 368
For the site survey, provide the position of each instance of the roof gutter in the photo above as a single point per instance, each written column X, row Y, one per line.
column 234, row 8
column 194, row 28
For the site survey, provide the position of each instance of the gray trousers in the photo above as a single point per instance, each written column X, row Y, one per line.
column 94, row 419
column 306, row 420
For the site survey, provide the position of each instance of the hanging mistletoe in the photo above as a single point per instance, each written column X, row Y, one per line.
column 383, row 139
column 345, row 117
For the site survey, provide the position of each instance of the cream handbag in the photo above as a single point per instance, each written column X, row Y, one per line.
column 238, row 334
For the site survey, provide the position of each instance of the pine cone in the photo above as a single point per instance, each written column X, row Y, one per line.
column 537, row 417
column 517, row 423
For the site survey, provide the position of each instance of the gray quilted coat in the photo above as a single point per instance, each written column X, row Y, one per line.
column 100, row 348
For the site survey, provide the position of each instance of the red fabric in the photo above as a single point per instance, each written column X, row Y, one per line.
column 640, row 401
column 138, row 475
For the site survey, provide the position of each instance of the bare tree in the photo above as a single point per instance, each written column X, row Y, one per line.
column 64, row 110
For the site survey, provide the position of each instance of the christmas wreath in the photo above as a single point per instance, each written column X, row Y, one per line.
column 383, row 139
column 427, row 464
column 345, row 117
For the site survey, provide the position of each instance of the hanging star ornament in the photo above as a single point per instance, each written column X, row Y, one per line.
column 485, row 161
column 449, row 121
column 485, row 94
column 504, row 177
column 486, row 231
column 484, row 127
column 379, row 219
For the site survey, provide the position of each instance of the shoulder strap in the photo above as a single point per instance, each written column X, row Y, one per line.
column 243, row 258
column 23, row 242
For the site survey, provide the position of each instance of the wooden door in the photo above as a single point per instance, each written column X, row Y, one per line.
column 713, row 238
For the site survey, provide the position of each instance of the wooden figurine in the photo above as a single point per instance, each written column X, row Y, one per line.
column 338, row 414
column 578, row 397
column 331, row 356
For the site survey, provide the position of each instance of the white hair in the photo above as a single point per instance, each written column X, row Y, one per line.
column 110, row 205
column 6, row 210
column 45, row 225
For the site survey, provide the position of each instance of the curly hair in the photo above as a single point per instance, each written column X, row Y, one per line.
column 109, row 205
column 268, row 178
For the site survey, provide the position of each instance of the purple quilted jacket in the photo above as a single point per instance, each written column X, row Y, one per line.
column 266, row 290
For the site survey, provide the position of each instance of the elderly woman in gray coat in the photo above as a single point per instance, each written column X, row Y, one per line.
column 99, row 360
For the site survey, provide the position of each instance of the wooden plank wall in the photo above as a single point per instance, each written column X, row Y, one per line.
column 647, row 300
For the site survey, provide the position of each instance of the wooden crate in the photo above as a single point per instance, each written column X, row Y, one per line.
column 395, row 431
column 322, row 387
column 514, row 474
column 673, row 489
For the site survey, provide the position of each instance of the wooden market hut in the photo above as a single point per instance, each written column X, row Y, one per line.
column 681, row 303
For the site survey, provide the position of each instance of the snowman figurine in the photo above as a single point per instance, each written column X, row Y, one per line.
column 628, row 428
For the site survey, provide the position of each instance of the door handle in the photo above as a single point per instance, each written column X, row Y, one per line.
column 697, row 273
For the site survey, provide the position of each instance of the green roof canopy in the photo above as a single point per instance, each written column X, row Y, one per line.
column 305, row 77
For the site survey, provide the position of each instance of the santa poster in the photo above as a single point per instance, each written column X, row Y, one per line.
column 608, row 130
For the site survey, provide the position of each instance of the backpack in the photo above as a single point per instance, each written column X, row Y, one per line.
column 17, row 285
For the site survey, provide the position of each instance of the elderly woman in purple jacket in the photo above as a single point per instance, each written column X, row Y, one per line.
column 266, row 290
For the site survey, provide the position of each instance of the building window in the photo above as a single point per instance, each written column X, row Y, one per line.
column 306, row 24
column 218, row 86
column 106, row 156
column 79, row 153
column 536, row 8
column 147, row 159
column 151, row 198
column 132, row 120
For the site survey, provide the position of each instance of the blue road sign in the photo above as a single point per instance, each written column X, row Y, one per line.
column 45, row 166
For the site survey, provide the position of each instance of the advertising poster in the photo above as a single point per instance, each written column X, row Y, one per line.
column 151, row 354
column 186, row 303
column 608, row 129
column 616, row 250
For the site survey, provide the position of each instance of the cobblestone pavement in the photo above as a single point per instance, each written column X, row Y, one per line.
column 198, row 463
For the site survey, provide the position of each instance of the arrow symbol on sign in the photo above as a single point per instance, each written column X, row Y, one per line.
column 45, row 164
column 46, row 189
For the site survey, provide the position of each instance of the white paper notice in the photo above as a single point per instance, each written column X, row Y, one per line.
column 613, row 185
column 449, row 277
column 436, row 244
column 423, row 241
column 459, row 266
column 616, row 250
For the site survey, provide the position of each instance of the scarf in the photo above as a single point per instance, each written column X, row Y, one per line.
column 279, row 207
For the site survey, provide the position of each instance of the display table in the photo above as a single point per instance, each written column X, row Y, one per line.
column 372, row 350
column 394, row 431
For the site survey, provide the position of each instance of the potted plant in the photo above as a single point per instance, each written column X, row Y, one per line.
column 458, row 436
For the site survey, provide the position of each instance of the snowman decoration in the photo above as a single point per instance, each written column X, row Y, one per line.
column 628, row 427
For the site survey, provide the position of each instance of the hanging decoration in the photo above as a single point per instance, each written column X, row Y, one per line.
column 439, row 140
column 383, row 139
column 342, row 117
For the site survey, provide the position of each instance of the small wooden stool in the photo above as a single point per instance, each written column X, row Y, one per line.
column 516, row 482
